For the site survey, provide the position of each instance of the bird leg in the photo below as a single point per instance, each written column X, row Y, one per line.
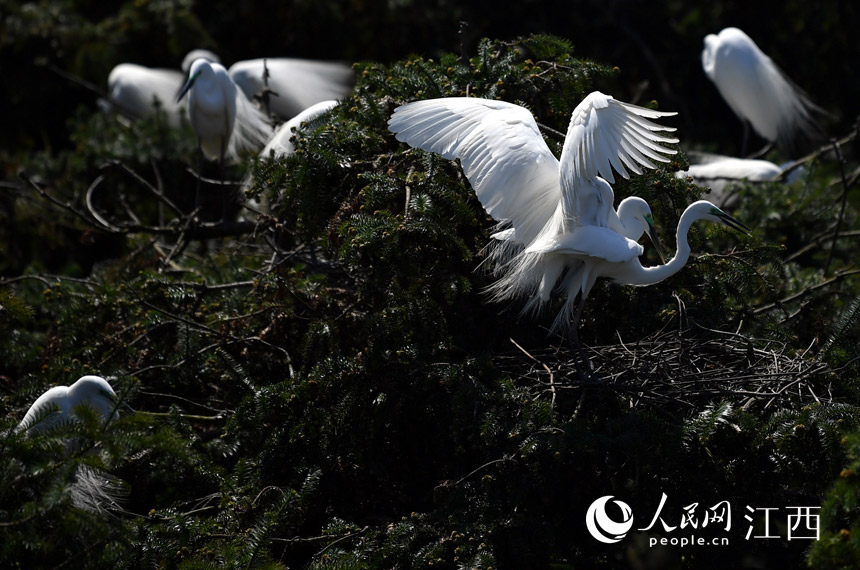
column 199, row 174
column 221, row 183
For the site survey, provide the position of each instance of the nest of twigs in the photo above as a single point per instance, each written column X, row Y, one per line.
column 685, row 368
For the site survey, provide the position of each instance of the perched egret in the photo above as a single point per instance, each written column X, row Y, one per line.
column 281, row 144
column 133, row 89
column 59, row 403
column 758, row 91
column 564, row 232
column 92, row 489
column 721, row 172
column 225, row 120
column 295, row 84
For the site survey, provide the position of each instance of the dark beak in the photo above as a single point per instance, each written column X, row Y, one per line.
column 185, row 88
column 652, row 235
column 733, row 223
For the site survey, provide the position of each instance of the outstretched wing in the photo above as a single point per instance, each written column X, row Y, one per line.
column 504, row 156
column 296, row 83
column 606, row 134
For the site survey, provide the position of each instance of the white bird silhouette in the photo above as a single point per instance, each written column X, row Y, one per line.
column 758, row 91
column 59, row 403
column 281, row 144
column 721, row 173
column 133, row 89
column 92, row 490
column 225, row 121
column 564, row 232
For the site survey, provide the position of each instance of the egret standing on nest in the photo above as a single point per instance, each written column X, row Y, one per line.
column 225, row 121
column 558, row 231
column 759, row 92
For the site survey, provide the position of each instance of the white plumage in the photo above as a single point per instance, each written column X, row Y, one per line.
column 133, row 90
column 564, row 231
column 720, row 173
column 758, row 91
column 225, row 121
column 93, row 489
column 298, row 83
column 58, row 403
column 280, row 144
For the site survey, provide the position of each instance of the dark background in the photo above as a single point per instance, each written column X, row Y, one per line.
column 656, row 45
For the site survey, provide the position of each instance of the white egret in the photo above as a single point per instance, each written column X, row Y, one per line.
column 92, row 489
column 133, row 89
column 60, row 402
column 564, row 231
column 281, row 143
column 758, row 91
column 296, row 84
column 225, row 121
column 720, row 173
column 589, row 252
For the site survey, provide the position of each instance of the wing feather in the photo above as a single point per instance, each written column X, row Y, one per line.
column 504, row 156
column 605, row 133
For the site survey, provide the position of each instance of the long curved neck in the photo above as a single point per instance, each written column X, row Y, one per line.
column 657, row 273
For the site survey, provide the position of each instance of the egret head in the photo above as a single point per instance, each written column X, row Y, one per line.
column 201, row 66
column 636, row 210
column 705, row 210
column 196, row 54
column 93, row 391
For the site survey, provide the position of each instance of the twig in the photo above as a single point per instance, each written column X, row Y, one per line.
column 799, row 295
column 545, row 367
column 841, row 161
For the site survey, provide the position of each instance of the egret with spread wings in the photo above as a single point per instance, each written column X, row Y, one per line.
column 558, row 228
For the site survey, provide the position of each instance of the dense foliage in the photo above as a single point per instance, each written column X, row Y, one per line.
column 326, row 386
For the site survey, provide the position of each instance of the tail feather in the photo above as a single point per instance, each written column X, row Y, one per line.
column 251, row 129
column 97, row 491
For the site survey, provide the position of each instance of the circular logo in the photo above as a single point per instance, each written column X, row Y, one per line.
column 604, row 528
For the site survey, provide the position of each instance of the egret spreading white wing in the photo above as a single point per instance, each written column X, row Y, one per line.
column 296, row 84
column 512, row 170
column 561, row 211
column 136, row 91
